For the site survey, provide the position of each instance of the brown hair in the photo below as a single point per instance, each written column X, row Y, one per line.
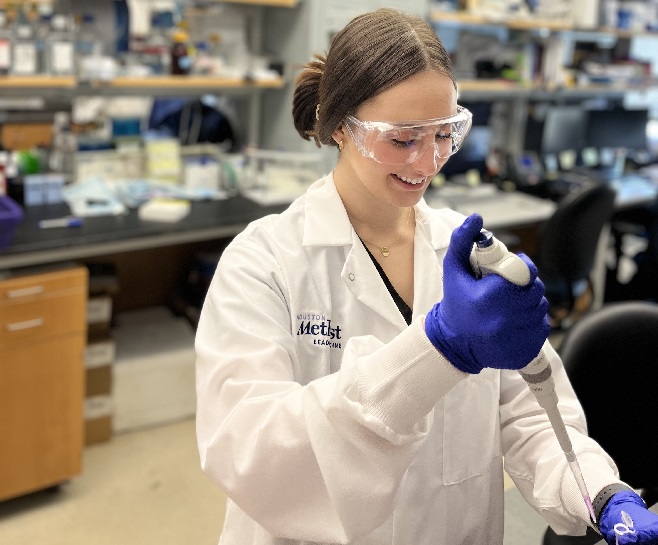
column 374, row 52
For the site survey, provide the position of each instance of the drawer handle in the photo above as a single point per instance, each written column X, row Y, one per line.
column 27, row 324
column 24, row 292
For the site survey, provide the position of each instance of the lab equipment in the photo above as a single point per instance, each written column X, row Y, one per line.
column 490, row 256
column 404, row 143
column 466, row 325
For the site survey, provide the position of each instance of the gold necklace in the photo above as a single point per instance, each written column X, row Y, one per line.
column 386, row 250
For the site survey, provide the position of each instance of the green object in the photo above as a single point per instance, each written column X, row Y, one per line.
column 28, row 162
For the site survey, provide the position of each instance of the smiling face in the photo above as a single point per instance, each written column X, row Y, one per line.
column 427, row 95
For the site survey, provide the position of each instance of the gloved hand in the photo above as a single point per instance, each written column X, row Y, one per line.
column 638, row 525
column 486, row 322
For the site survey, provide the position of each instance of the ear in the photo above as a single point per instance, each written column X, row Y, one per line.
column 339, row 134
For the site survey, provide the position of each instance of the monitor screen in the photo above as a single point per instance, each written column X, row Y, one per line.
column 475, row 149
column 472, row 155
column 564, row 129
column 617, row 128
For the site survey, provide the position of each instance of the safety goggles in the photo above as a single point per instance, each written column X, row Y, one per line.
column 404, row 143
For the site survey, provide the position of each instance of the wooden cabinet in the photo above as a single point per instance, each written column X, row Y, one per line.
column 42, row 342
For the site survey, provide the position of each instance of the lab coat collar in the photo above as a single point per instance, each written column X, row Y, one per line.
column 326, row 222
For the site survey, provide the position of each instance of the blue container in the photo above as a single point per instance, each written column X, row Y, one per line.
column 10, row 215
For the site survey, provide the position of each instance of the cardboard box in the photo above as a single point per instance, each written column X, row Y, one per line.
column 99, row 359
column 99, row 317
column 98, row 419
column 154, row 370
column 99, row 353
column 22, row 136
column 99, row 381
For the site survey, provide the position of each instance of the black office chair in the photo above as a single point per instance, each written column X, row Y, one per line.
column 567, row 247
column 610, row 357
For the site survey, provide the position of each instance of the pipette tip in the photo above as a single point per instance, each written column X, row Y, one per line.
column 590, row 509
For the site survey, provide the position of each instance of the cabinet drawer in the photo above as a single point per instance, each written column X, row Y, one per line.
column 43, row 305
column 25, row 288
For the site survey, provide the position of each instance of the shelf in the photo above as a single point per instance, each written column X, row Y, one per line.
column 471, row 19
column 272, row 3
column 155, row 86
column 493, row 89
column 37, row 82
column 465, row 18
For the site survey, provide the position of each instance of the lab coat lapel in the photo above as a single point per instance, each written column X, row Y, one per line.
column 327, row 224
column 365, row 283
column 430, row 244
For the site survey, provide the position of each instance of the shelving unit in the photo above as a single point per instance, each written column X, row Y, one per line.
column 270, row 3
column 467, row 18
column 513, row 98
column 155, row 85
column 503, row 89
column 68, row 87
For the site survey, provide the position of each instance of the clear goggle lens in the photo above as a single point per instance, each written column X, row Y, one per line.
column 404, row 143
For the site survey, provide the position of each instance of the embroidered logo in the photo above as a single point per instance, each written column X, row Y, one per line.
column 321, row 329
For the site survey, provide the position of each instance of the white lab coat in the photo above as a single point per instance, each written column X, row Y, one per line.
column 326, row 419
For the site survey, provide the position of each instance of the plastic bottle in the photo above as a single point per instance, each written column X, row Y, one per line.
column 64, row 145
column 24, row 47
column 5, row 44
column 87, row 45
column 203, row 62
column 181, row 61
column 41, row 34
column 60, row 47
column 156, row 52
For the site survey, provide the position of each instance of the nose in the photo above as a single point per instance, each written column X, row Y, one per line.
column 425, row 163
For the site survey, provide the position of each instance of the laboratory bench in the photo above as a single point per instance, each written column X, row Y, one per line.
column 108, row 235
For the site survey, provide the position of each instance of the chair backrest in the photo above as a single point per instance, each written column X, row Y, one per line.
column 569, row 239
column 611, row 358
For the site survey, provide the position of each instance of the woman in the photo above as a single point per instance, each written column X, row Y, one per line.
column 354, row 381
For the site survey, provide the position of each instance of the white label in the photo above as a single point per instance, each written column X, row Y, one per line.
column 97, row 407
column 100, row 353
column 62, row 57
column 25, row 59
column 99, row 310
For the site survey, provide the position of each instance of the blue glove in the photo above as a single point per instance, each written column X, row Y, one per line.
column 486, row 322
column 626, row 519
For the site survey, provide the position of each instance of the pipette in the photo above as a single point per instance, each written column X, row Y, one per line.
column 490, row 256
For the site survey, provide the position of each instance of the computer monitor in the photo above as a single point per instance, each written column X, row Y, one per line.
column 564, row 130
column 475, row 149
column 617, row 128
column 472, row 155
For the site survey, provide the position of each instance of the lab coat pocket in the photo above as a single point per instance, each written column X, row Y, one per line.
column 471, row 419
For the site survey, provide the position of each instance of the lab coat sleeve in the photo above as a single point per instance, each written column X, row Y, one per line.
column 322, row 461
column 534, row 459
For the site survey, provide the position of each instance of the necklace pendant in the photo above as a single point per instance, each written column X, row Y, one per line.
column 385, row 251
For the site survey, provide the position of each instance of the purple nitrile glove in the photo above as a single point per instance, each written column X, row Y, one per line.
column 626, row 519
column 486, row 322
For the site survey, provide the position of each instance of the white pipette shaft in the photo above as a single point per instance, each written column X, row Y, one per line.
column 490, row 256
